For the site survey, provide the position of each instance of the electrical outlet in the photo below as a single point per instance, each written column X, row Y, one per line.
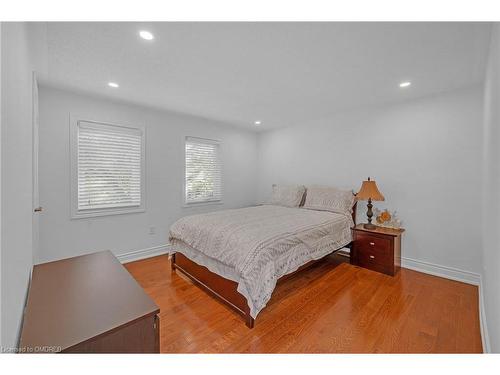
column 152, row 230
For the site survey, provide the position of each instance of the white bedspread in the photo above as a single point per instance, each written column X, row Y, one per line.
column 262, row 243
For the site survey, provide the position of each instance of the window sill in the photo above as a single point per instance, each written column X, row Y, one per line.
column 200, row 204
column 110, row 212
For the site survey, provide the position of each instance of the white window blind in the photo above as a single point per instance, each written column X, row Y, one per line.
column 109, row 167
column 203, row 171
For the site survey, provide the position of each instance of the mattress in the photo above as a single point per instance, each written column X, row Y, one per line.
column 255, row 246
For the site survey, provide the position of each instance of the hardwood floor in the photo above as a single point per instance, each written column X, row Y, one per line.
column 332, row 307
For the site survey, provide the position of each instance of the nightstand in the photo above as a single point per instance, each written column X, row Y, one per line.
column 377, row 249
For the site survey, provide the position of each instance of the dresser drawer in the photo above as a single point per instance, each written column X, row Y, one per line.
column 374, row 244
column 374, row 254
column 366, row 261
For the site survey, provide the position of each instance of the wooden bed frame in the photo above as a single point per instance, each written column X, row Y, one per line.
column 223, row 289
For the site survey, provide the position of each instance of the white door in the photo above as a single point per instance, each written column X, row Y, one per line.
column 37, row 210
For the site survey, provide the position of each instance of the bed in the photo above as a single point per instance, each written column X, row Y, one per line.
column 239, row 255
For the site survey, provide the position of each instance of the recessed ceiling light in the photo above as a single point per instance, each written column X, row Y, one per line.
column 113, row 84
column 257, row 122
column 405, row 84
column 144, row 34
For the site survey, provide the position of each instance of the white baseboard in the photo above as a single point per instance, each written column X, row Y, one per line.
column 143, row 253
column 485, row 338
column 441, row 271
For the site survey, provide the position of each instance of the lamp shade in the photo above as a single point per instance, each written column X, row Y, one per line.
column 369, row 190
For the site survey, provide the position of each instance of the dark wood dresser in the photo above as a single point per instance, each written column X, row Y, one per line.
column 377, row 249
column 88, row 304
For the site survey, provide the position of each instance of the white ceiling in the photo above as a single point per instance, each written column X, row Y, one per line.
column 280, row 73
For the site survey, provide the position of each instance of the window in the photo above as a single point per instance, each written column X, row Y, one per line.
column 107, row 169
column 203, row 171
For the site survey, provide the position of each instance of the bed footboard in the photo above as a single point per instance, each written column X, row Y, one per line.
column 221, row 288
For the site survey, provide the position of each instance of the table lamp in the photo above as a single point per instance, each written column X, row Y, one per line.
column 369, row 192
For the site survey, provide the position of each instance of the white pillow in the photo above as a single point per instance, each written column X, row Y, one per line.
column 288, row 196
column 329, row 199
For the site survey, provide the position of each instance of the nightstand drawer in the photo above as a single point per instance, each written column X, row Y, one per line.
column 375, row 244
column 374, row 255
column 369, row 263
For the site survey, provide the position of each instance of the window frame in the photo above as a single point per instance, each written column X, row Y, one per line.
column 89, row 213
column 187, row 204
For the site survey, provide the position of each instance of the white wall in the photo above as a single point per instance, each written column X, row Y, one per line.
column 425, row 156
column 19, row 59
column 0, row 184
column 62, row 237
column 491, row 195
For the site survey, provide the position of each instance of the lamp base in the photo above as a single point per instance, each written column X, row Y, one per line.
column 369, row 226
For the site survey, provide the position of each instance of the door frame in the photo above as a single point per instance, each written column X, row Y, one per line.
column 35, row 155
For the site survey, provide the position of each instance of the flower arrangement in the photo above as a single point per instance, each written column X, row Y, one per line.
column 387, row 219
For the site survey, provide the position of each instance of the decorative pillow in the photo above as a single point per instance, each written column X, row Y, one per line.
column 329, row 199
column 288, row 196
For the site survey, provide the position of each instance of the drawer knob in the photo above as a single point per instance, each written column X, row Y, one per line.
column 372, row 256
column 372, row 243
